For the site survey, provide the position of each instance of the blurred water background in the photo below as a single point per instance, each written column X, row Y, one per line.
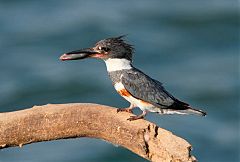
column 190, row 46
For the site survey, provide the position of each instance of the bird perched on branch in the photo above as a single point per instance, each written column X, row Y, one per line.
column 132, row 84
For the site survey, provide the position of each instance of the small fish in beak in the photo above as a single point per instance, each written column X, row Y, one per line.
column 79, row 54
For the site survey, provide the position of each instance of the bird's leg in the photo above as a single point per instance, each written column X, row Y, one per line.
column 129, row 109
column 138, row 116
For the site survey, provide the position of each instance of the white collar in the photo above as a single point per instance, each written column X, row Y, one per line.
column 116, row 64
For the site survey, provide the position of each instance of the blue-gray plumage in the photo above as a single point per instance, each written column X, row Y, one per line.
column 136, row 87
column 143, row 87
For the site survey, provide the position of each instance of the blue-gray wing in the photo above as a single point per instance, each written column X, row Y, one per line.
column 145, row 88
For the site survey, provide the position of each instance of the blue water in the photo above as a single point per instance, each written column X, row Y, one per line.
column 190, row 46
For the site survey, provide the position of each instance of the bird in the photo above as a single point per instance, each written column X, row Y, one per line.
column 132, row 84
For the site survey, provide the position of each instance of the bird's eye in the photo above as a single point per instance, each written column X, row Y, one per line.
column 105, row 49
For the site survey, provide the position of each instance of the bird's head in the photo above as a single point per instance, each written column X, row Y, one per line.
column 114, row 48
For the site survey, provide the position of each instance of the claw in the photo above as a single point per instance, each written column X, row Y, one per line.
column 135, row 117
column 129, row 109
column 138, row 117
column 124, row 110
column 119, row 110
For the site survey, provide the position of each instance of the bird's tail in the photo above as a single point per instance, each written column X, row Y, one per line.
column 184, row 108
column 190, row 110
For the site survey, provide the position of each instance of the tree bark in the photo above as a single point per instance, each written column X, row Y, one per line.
column 60, row 121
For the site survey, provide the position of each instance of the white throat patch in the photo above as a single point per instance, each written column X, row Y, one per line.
column 117, row 64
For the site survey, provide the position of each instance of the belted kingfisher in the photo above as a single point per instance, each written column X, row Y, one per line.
column 132, row 84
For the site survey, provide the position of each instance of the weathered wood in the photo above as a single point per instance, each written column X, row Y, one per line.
column 60, row 121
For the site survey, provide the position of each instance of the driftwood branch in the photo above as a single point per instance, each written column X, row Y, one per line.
column 58, row 121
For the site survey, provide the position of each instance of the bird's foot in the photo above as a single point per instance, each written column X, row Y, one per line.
column 138, row 116
column 135, row 117
column 129, row 109
column 124, row 110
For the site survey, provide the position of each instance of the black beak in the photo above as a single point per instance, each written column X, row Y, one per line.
column 78, row 54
